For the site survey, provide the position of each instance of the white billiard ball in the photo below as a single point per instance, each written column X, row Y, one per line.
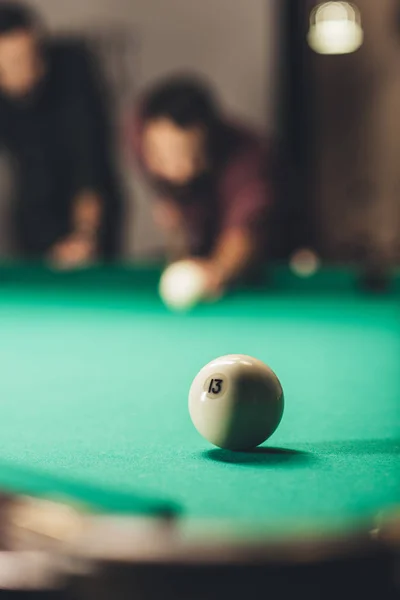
column 304, row 263
column 236, row 402
column 182, row 285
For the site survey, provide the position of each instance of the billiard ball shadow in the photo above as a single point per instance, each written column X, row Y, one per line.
column 264, row 456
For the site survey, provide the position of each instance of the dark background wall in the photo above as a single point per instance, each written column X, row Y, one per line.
column 354, row 169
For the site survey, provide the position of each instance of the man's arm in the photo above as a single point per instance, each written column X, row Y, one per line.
column 80, row 246
column 87, row 209
column 243, row 238
column 89, row 142
column 236, row 250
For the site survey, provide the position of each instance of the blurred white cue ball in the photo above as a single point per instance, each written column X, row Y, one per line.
column 182, row 285
column 304, row 263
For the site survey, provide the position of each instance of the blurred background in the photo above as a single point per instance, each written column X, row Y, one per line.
column 331, row 105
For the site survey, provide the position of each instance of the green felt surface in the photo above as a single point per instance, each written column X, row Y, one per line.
column 95, row 374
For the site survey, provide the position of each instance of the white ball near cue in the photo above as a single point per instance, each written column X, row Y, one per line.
column 304, row 263
column 236, row 402
column 182, row 285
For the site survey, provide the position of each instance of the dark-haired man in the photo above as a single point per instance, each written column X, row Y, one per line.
column 212, row 180
column 54, row 126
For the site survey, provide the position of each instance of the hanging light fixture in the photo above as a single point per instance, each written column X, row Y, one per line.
column 335, row 28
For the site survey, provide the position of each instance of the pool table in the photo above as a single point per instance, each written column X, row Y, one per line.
column 100, row 462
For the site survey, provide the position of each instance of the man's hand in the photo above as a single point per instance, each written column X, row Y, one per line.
column 214, row 283
column 73, row 252
column 79, row 249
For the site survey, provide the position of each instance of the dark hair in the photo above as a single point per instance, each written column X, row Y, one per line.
column 186, row 101
column 14, row 16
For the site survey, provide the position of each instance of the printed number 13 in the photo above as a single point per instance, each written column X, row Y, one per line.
column 215, row 386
